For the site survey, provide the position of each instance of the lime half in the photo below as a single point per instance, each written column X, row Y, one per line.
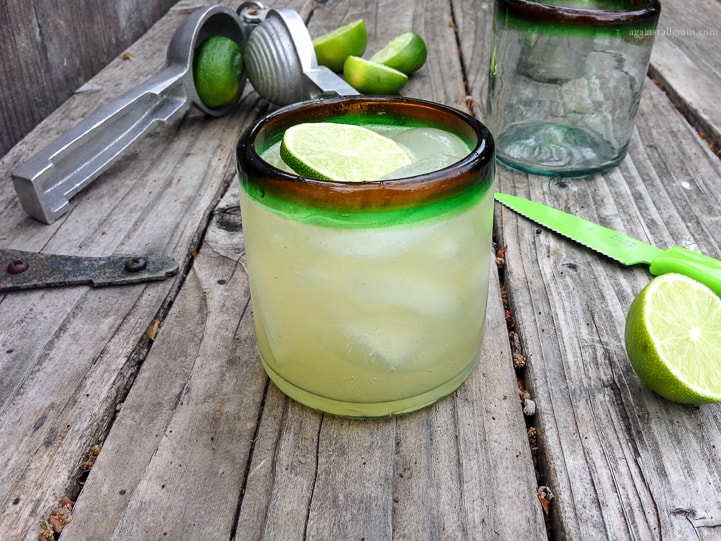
column 217, row 71
column 407, row 52
column 346, row 152
column 333, row 48
column 673, row 339
column 372, row 78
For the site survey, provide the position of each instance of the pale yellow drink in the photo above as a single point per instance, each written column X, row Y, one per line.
column 370, row 308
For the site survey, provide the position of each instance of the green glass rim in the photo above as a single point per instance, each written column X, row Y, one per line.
column 597, row 14
column 282, row 191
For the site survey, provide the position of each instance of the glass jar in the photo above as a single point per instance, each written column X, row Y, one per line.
column 565, row 82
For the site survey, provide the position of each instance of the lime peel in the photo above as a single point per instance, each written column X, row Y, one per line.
column 673, row 339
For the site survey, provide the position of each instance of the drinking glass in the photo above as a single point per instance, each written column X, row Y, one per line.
column 565, row 82
column 369, row 298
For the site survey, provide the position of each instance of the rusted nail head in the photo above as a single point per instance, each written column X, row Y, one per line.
column 135, row 264
column 18, row 266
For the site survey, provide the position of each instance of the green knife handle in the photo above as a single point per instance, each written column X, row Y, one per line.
column 702, row 268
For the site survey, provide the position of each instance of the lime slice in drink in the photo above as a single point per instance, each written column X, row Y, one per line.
column 406, row 52
column 673, row 339
column 333, row 48
column 217, row 71
column 372, row 78
column 330, row 151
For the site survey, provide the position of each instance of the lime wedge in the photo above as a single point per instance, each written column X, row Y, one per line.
column 673, row 339
column 346, row 152
column 372, row 78
column 333, row 48
column 406, row 52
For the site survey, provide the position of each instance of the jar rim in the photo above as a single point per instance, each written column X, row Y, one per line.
column 595, row 12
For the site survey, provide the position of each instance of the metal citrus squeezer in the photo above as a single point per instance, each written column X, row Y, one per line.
column 279, row 61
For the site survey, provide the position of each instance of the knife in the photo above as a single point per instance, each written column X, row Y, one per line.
column 618, row 246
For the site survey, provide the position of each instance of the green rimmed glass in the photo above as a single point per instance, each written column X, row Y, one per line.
column 565, row 82
column 369, row 298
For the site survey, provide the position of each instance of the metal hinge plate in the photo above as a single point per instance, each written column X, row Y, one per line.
column 27, row 270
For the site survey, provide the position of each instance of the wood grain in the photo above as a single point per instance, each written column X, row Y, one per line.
column 51, row 49
column 686, row 62
column 70, row 355
column 621, row 461
column 196, row 442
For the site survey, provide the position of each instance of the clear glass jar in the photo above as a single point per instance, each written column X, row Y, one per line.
column 369, row 298
column 565, row 82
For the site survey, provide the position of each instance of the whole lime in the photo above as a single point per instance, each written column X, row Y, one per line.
column 218, row 71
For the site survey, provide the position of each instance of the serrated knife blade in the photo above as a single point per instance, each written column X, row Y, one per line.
column 619, row 246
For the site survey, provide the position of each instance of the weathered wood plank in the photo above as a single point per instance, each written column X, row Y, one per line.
column 459, row 469
column 191, row 414
column 686, row 61
column 474, row 22
column 50, row 49
column 621, row 461
column 69, row 355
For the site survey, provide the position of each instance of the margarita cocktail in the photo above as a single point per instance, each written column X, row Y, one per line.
column 369, row 297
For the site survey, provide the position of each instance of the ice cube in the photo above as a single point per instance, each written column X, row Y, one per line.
column 422, row 166
column 424, row 142
column 391, row 349
column 272, row 156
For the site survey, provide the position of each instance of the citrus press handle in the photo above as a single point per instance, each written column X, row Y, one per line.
column 47, row 180
column 324, row 82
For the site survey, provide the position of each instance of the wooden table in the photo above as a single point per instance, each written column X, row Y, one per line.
column 147, row 404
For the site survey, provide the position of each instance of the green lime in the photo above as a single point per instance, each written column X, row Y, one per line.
column 406, row 52
column 673, row 339
column 372, row 78
column 345, row 152
column 217, row 71
column 333, row 48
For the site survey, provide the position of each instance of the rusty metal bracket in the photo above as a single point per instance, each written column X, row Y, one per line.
column 27, row 270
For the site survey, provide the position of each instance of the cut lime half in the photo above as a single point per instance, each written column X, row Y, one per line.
column 673, row 339
column 344, row 152
column 406, row 52
column 372, row 78
column 333, row 48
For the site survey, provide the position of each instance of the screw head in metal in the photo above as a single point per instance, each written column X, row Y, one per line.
column 18, row 266
column 135, row 264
